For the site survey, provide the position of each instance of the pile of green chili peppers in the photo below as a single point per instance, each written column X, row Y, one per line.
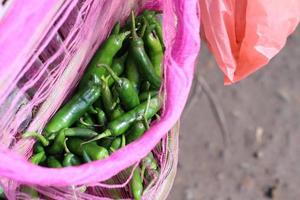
column 116, row 100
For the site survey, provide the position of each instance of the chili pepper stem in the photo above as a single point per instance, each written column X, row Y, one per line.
column 144, row 27
column 134, row 35
column 104, row 134
column 81, row 120
column 123, row 143
column 65, row 146
column 111, row 72
column 40, row 137
column 145, row 121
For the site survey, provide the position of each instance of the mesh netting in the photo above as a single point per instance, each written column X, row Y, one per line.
column 45, row 47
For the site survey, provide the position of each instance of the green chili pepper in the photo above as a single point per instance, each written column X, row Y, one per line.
column 149, row 162
column 108, row 101
column 118, row 143
column 101, row 117
column 104, row 56
column 2, row 194
column 76, row 107
column 38, row 158
column 118, row 66
column 136, row 184
column 86, row 157
column 144, row 96
column 141, row 58
column 151, row 18
column 116, row 28
column 58, row 143
column 132, row 72
column 154, row 49
column 118, row 111
column 92, row 110
column 135, row 132
column 71, row 160
column 106, row 142
column 53, row 162
column 79, row 132
column 128, row 95
column 94, row 151
column 120, row 125
column 145, row 86
column 38, row 136
column 86, row 121
column 30, row 192
column 37, row 148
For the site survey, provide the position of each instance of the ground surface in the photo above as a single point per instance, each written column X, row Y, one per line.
column 262, row 112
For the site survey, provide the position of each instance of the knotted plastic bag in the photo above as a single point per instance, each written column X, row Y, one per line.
column 44, row 49
column 244, row 35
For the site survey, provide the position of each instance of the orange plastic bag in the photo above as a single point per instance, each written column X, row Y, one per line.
column 244, row 35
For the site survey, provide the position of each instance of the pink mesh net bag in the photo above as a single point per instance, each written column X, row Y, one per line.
column 44, row 49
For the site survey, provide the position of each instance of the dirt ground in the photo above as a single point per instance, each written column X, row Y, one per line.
column 261, row 160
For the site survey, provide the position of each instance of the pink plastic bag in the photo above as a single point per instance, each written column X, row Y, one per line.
column 44, row 48
column 244, row 35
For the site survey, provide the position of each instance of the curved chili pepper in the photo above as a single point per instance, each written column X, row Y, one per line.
column 118, row 111
column 136, row 184
column 108, row 101
column 71, row 160
column 86, row 121
column 38, row 136
column 104, row 56
column 38, row 158
column 101, row 117
column 141, row 58
column 154, row 49
column 86, row 157
column 79, row 132
column 120, row 125
column 94, row 151
column 132, row 73
column 38, row 147
column 116, row 28
column 118, row 66
column 151, row 18
column 128, row 95
column 75, row 108
column 58, row 143
column 53, row 162
column 135, row 132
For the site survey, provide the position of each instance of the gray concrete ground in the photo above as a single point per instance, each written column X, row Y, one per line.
column 262, row 112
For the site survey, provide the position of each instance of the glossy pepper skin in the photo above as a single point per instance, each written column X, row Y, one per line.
column 132, row 72
column 120, row 125
column 38, row 158
column 76, row 107
column 53, row 162
column 118, row 66
column 108, row 101
column 154, row 49
column 136, row 184
column 71, row 160
column 141, row 58
column 151, row 18
column 135, row 132
column 94, row 151
column 128, row 95
column 58, row 144
column 118, row 111
column 104, row 56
